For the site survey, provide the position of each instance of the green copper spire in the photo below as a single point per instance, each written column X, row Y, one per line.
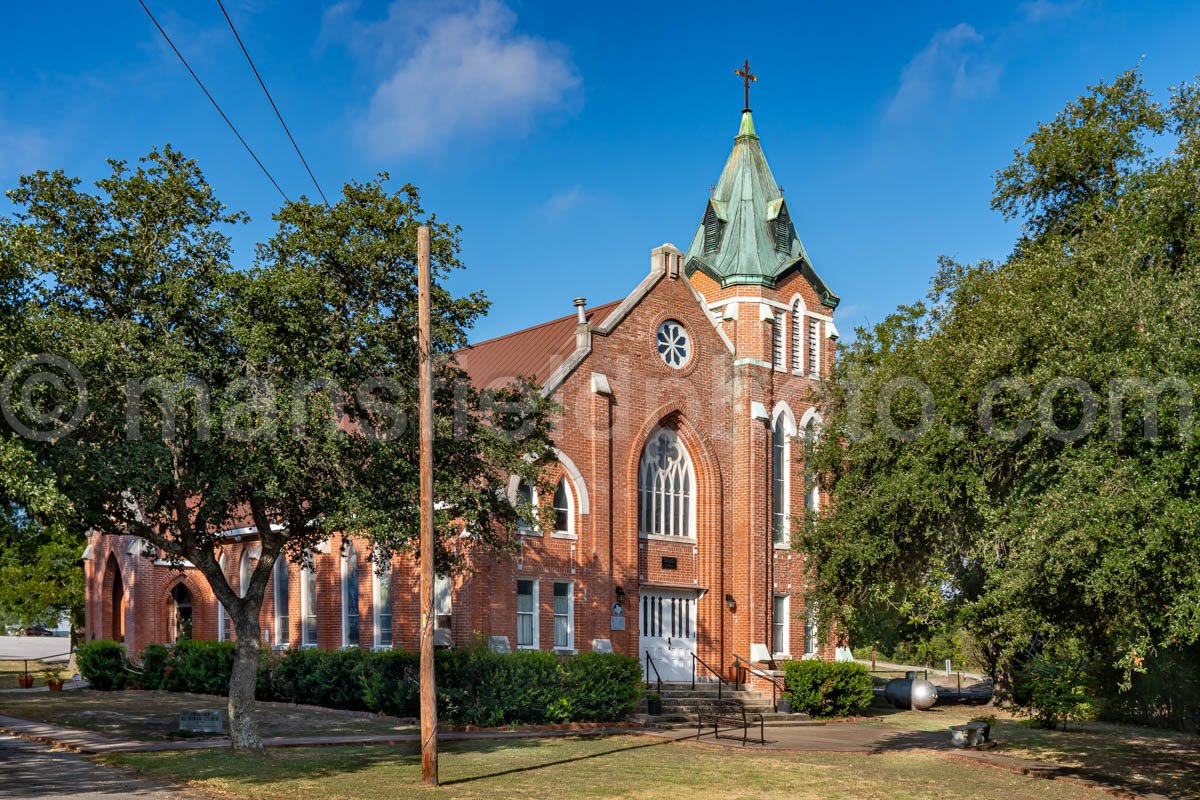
column 746, row 235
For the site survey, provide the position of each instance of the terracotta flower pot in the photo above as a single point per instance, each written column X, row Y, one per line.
column 55, row 685
column 25, row 681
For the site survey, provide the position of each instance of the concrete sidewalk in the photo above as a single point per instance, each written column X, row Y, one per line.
column 92, row 743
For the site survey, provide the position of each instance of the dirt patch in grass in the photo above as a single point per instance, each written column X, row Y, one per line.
column 621, row 766
column 155, row 715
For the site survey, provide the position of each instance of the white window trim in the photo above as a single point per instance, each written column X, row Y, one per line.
column 533, row 528
column 787, row 626
column 281, row 565
column 245, row 572
column 569, row 533
column 380, row 585
column 347, row 551
column 779, row 341
column 690, row 534
column 222, row 625
column 537, row 617
column 810, row 621
column 570, row 648
column 307, row 574
column 783, row 419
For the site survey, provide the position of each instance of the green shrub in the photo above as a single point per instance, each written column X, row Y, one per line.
column 199, row 666
column 390, row 683
column 602, row 687
column 1052, row 691
column 155, row 661
column 828, row 688
column 103, row 664
column 479, row 687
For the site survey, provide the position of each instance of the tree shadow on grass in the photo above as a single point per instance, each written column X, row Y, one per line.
column 558, row 762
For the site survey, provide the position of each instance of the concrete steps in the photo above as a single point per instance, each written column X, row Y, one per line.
column 680, row 700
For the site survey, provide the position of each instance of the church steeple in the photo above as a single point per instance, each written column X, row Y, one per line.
column 746, row 235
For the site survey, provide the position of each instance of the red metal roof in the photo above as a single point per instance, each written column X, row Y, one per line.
column 529, row 353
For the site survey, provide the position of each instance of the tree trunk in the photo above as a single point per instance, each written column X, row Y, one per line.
column 243, row 722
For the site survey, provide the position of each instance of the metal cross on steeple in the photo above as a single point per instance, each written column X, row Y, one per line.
column 747, row 76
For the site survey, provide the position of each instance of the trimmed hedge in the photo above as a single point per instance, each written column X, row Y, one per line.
column 475, row 685
column 103, row 663
column 828, row 688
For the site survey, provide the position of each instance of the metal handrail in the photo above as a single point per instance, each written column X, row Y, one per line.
column 649, row 665
column 738, row 662
column 703, row 663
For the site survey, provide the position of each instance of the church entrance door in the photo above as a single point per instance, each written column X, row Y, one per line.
column 668, row 633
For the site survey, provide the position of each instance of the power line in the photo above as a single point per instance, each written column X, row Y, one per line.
column 200, row 83
column 270, row 99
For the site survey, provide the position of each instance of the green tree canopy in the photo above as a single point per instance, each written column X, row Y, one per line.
column 281, row 396
column 1017, row 452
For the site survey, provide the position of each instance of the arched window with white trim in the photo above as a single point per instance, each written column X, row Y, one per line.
column 350, row 618
column 797, row 336
column 812, row 483
column 564, row 510
column 527, row 509
column 381, row 604
column 224, row 621
column 666, row 487
column 780, row 485
column 308, row 601
column 283, row 633
column 245, row 572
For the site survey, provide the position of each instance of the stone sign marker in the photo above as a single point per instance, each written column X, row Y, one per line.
column 201, row 721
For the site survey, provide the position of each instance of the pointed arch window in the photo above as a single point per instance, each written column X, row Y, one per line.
column 224, row 621
column 308, row 602
column 812, row 485
column 381, row 590
column 779, row 481
column 564, row 510
column 244, row 573
column 282, row 603
column 350, row 618
column 777, row 337
column 666, row 487
column 797, row 336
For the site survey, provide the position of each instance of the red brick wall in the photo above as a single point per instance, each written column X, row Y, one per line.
column 708, row 403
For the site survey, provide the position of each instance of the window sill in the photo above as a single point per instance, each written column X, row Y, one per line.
column 783, row 546
column 566, row 651
column 308, row 646
column 379, row 648
column 564, row 535
column 527, row 647
column 536, row 534
column 281, row 648
column 662, row 537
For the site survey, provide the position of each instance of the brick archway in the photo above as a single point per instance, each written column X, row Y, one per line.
column 112, row 612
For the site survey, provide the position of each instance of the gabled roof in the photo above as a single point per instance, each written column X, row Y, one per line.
column 534, row 352
column 745, row 235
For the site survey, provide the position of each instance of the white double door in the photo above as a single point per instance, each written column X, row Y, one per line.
column 668, row 633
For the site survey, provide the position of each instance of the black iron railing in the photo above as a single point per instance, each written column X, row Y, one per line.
column 777, row 686
column 649, row 666
column 720, row 681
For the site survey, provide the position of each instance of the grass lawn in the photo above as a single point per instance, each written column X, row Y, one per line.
column 1154, row 760
column 9, row 670
column 621, row 766
column 155, row 715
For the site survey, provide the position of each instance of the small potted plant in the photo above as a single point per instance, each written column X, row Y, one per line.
column 653, row 704
column 25, row 680
column 54, row 678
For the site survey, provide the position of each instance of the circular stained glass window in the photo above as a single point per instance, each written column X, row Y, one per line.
column 674, row 346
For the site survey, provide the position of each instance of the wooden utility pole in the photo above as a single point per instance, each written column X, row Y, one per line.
column 429, row 757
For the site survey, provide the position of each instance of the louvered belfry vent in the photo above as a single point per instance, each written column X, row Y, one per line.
column 712, row 230
column 783, row 232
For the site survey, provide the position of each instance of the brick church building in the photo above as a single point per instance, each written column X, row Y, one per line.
column 685, row 410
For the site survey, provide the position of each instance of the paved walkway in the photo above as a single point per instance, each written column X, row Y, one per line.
column 29, row 770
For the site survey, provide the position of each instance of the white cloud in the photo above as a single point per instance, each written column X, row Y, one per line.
column 449, row 72
column 1042, row 10
column 952, row 66
column 562, row 202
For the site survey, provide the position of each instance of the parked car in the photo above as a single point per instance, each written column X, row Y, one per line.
column 37, row 630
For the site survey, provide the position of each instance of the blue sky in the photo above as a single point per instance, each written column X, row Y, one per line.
column 568, row 138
